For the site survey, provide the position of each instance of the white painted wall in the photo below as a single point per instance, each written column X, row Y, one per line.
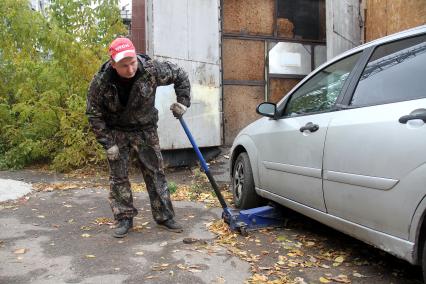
column 344, row 23
column 186, row 32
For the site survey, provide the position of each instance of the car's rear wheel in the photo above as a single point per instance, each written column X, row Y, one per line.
column 244, row 193
column 424, row 261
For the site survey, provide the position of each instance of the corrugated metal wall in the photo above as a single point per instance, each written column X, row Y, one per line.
column 384, row 17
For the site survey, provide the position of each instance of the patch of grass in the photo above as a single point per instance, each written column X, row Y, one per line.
column 172, row 187
column 197, row 173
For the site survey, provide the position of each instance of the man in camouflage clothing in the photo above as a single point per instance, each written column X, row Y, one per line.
column 121, row 112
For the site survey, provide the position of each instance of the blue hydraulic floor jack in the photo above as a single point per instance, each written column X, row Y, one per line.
column 244, row 220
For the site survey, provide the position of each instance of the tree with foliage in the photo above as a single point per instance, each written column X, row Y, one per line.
column 46, row 64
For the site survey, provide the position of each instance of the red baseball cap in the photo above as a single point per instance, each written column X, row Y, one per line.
column 121, row 48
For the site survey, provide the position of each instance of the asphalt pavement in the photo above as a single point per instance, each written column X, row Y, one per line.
column 65, row 237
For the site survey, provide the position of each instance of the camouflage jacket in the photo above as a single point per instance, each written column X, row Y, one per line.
column 106, row 113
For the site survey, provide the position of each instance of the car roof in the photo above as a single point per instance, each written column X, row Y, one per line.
column 392, row 37
column 403, row 34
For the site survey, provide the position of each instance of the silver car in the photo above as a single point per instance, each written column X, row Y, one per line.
column 347, row 146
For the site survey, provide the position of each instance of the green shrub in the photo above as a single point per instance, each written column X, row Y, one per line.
column 172, row 187
column 46, row 64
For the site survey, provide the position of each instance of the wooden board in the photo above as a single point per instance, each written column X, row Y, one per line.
column 405, row 14
column 248, row 17
column 384, row 17
column 138, row 34
column 278, row 88
column 243, row 60
column 239, row 107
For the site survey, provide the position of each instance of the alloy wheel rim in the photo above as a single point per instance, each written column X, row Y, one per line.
column 239, row 180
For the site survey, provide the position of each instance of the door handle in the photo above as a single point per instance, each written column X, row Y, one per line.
column 415, row 114
column 309, row 127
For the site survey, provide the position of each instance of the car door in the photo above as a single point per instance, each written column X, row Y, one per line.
column 291, row 147
column 376, row 148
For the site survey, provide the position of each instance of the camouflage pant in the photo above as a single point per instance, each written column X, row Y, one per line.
column 146, row 145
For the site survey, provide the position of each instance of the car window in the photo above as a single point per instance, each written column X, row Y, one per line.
column 395, row 72
column 320, row 92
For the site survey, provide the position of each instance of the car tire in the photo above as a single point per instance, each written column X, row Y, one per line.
column 424, row 261
column 243, row 191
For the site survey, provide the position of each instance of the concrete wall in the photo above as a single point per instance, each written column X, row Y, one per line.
column 344, row 26
column 186, row 32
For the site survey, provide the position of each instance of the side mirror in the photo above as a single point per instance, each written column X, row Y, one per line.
column 267, row 109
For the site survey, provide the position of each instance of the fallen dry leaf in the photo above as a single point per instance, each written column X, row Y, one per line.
column 139, row 253
column 219, row 279
column 103, row 221
column 138, row 228
column 90, row 256
column 258, row 277
column 85, row 235
column 341, row 279
column 20, row 251
column 138, row 187
column 160, row 267
column 324, row 280
column 181, row 266
column 299, row 280
column 55, row 186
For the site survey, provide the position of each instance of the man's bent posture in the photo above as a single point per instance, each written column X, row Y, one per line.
column 121, row 112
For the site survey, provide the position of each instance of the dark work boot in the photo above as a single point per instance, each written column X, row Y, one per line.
column 171, row 225
column 123, row 228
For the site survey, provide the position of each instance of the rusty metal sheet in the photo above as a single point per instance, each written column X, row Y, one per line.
column 239, row 106
column 243, row 59
column 279, row 87
column 248, row 17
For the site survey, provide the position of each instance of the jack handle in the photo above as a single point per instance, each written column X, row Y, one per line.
column 203, row 164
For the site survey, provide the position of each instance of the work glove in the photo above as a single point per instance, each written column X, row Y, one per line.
column 113, row 153
column 177, row 109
